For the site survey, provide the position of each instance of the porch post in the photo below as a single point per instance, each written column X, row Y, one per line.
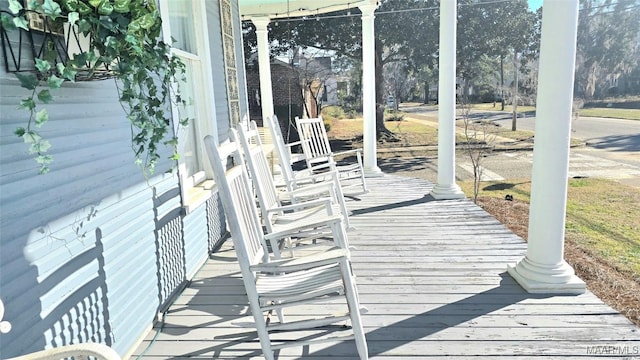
column 371, row 168
column 264, row 66
column 544, row 269
column 446, row 187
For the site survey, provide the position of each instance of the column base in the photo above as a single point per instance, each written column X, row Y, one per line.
column 373, row 172
column 447, row 192
column 541, row 279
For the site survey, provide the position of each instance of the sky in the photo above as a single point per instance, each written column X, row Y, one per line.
column 534, row 4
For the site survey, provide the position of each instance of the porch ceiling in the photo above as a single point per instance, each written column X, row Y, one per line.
column 293, row 8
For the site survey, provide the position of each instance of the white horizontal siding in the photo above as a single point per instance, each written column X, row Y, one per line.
column 78, row 245
column 82, row 256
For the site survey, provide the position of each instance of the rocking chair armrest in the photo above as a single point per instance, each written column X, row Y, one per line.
column 347, row 152
column 292, row 144
column 313, row 189
column 324, row 201
column 323, row 163
column 331, row 256
column 310, row 178
column 295, row 229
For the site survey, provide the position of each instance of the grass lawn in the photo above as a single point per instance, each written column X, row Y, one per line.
column 603, row 217
column 507, row 108
column 629, row 114
column 604, row 112
column 409, row 133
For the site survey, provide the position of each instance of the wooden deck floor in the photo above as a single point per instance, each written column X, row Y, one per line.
column 433, row 276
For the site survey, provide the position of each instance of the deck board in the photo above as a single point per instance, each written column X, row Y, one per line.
column 433, row 276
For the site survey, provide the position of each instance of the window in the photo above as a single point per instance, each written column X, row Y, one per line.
column 186, row 26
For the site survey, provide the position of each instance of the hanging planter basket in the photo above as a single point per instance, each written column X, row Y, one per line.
column 49, row 42
column 55, row 41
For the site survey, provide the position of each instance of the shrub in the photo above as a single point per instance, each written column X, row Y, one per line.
column 332, row 113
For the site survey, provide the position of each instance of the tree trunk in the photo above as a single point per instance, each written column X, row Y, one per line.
column 514, row 118
column 381, row 129
column 501, row 83
column 590, row 86
column 426, row 92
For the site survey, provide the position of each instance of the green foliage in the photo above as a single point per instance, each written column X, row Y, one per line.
column 607, row 46
column 125, row 41
column 393, row 115
column 333, row 112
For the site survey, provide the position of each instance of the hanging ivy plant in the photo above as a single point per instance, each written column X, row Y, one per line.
column 124, row 40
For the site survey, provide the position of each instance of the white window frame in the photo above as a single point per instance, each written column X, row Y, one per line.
column 197, row 188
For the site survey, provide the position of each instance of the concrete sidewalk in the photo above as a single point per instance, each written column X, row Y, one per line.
column 500, row 144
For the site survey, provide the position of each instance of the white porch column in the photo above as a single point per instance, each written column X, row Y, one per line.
column 371, row 168
column 264, row 66
column 446, row 187
column 544, row 269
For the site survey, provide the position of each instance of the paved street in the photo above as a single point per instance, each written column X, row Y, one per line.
column 612, row 152
column 583, row 162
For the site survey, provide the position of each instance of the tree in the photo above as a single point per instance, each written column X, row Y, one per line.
column 608, row 44
column 406, row 40
column 501, row 30
column 479, row 136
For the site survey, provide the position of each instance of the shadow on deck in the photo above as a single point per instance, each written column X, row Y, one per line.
column 431, row 273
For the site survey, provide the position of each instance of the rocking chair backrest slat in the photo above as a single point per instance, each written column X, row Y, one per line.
column 281, row 150
column 313, row 136
column 238, row 201
column 259, row 165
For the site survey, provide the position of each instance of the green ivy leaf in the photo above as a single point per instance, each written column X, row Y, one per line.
column 67, row 72
column 134, row 27
column 43, row 66
column 15, row 6
column 44, row 159
column 7, row 22
column 84, row 27
column 54, row 82
column 148, row 20
column 27, row 81
column 21, row 22
column 83, row 8
column 27, row 103
column 20, row 131
column 43, row 169
column 42, row 146
column 95, row 3
column 31, row 137
column 121, row 6
column 45, row 96
column 42, row 117
column 70, row 5
column 105, row 8
column 73, row 17
column 51, row 9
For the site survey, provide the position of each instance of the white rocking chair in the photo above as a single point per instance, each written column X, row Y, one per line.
column 319, row 156
column 269, row 196
column 300, row 179
column 274, row 285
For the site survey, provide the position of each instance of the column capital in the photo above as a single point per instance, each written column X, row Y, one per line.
column 260, row 22
column 368, row 9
